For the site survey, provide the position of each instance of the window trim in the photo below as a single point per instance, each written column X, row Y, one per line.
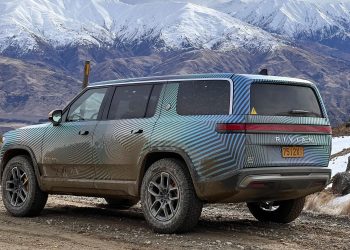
column 113, row 90
column 318, row 97
column 67, row 108
column 164, row 81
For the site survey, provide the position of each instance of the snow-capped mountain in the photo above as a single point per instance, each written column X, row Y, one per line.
column 43, row 44
column 316, row 19
column 171, row 24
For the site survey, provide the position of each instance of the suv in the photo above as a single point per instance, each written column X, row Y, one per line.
column 176, row 142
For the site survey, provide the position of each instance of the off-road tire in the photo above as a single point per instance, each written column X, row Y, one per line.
column 287, row 211
column 188, row 208
column 119, row 203
column 35, row 200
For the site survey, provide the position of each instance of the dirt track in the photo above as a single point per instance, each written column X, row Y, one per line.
column 85, row 223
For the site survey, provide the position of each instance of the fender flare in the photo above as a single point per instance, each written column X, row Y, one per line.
column 32, row 156
column 166, row 149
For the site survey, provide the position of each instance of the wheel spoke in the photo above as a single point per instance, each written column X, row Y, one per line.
column 157, row 212
column 16, row 202
column 164, row 179
column 154, row 204
column 21, row 196
column 15, row 173
column 170, row 204
column 8, row 184
column 151, row 190
column 24, row 191
column 13, row 199
column 166, row 213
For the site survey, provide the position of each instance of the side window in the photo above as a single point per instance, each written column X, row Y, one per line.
column 206, row 97
column 87, row 106
column 132, row 102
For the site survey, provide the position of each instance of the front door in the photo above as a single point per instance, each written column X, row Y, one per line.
column 67, row 148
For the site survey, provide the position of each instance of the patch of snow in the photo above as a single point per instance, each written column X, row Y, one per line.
column 340, row 200
column 338, row 164
column 340, row 143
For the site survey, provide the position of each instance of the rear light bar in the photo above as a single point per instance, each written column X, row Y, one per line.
column 272, row 128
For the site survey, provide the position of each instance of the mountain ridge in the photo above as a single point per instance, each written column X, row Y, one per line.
column 43, row 45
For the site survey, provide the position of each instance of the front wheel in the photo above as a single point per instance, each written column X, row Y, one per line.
column 168, row 198
column 277, row 211
column 21, row 193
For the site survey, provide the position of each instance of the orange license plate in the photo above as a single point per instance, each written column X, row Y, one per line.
column 292, row 152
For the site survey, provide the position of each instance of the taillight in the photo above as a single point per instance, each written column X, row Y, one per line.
column 272, row 128
column 230, row 127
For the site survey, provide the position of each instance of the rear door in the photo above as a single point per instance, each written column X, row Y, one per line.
column 190, row 113
column 287, row 126
column 123, row 135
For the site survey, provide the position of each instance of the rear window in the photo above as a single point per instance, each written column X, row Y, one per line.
column 206, row 97
column 284, row 100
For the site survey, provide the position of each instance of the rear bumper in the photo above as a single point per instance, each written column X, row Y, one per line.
column 270, row 183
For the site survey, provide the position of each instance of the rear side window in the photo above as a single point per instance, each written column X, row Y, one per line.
column 284, row 100
column 136, row 101
column 207, row 97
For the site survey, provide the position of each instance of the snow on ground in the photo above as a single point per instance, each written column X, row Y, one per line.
column 339, row 163
column 327, row 203
column 340, row 143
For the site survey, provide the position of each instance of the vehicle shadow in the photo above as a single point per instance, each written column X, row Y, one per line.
column 103, row 214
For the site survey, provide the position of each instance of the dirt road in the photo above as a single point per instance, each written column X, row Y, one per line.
column 85, row 223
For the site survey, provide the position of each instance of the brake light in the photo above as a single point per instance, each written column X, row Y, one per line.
column 272, row 128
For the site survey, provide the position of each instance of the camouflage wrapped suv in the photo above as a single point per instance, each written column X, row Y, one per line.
column 176, row 142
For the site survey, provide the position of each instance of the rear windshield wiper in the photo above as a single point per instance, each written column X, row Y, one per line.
column 300, row 112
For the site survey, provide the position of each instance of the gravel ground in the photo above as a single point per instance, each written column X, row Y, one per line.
column 86, row 223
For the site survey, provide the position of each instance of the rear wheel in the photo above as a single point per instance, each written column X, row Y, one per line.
column 168, row 198
column 120, row 203
column 21, row 194
column 277, row 211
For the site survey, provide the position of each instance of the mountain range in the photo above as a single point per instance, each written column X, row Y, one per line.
column 43, row 44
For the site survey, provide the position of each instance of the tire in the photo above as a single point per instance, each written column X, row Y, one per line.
column 21, row 194
column 278, row 211
column 169, row 201
column 119, row 203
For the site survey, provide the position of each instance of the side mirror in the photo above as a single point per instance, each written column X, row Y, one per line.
column 55, row 116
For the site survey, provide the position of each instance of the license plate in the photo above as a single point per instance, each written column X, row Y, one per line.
column 292, row 152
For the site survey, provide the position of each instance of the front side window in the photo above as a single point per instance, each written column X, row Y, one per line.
column 205, row 97
column 132, row 101
column 284, row 100
column 87, row 106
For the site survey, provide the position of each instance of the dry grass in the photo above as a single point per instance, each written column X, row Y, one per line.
column 316, row 201
column 328, row 203
column 341, row 130
column 346, row 209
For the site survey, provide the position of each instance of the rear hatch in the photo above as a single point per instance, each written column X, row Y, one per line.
column 287, row 126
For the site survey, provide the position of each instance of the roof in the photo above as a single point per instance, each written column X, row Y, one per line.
column 165, row 78
column 199, row 76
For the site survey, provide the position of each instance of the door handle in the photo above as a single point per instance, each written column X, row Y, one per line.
column 83, row 132
column 140, row 131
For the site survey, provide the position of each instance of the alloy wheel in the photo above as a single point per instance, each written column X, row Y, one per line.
column 17, row 185
column 163, row 196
